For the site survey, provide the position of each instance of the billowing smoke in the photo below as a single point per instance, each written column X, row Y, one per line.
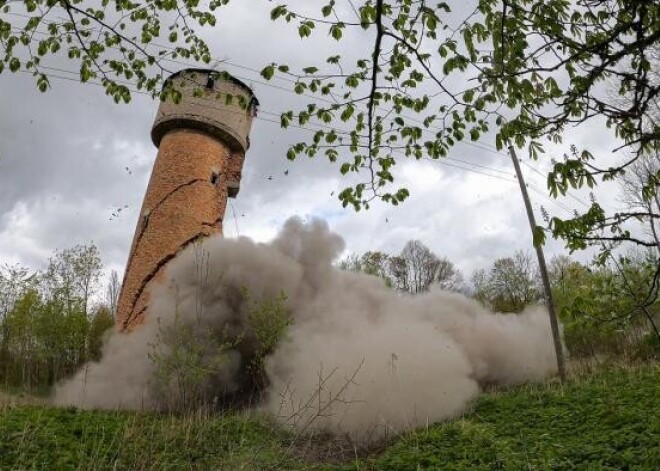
column 357, row 357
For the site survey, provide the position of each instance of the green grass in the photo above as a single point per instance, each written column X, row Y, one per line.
column 609, row 420
column 53, row 439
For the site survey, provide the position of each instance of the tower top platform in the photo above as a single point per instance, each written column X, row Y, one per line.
column 213, row 102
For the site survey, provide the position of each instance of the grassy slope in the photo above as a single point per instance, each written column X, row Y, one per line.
column 608, row 421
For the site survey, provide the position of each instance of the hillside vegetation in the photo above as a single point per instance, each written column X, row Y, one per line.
column 607, row 420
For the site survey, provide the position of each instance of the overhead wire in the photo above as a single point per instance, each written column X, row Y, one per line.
column 509, row 180
column 569, row 194
column 447, row 161
column 310, row 126
column 233, row 211
column 478, row 145
column 258, row 72
column 481, row 146
column 194, row 64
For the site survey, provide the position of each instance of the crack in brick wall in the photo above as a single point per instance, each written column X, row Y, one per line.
column 180, row 203
column 161, row 263
column 213, row 223
column 144, row 225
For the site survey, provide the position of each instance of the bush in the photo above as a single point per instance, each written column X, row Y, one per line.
column 268, row 320
column 649, row 348
column 186, row 357
column 198, row 363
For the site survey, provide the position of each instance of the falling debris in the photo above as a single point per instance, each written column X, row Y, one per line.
column 357, row 357
column 117, row 212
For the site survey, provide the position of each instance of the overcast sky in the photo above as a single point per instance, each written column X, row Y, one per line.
column 74, row 167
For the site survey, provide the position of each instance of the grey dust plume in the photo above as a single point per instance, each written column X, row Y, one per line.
column 356, row 356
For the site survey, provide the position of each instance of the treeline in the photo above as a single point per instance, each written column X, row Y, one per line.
column 415, row 270
column 609, row 307
column 52, row 321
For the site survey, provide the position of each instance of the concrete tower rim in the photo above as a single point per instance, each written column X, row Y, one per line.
column 190, row 118
column 224, row 73
column 183, row 123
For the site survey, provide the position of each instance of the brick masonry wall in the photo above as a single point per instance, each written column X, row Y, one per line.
column 182, row 204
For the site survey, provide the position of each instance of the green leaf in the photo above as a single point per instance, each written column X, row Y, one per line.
column 347, row 113
column 538, row 236
column 277, row 12
column 327, row 9
column 291, row 154
column 268, row 72
column 336, row 32
column 14, row 64
column 305, row 29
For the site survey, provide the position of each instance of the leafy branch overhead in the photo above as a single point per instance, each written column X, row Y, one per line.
column 114, row 43
column 406, row 79
column 518, row 72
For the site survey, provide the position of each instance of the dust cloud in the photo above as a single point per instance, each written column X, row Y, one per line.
column 357, row 357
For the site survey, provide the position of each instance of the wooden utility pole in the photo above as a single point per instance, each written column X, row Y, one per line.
column 554, row 324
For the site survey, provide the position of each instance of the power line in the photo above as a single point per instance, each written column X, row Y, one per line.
column 482, row 146
column 319, row 127
column 449, row 164
column 231, row 205
column 266, row 84
column 440, row 161
column 509, row 180
column 193, row 64
column 203, row 105
column 570, row 195
column 478, row 165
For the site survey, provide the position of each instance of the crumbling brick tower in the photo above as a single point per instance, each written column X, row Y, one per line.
column 201, row 143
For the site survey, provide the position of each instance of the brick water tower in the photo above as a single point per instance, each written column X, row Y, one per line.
column 201, row 143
